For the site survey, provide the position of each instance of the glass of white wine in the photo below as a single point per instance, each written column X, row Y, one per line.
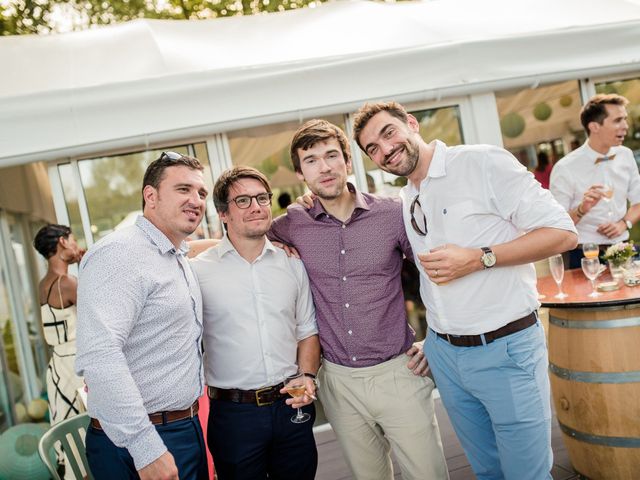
column 607, row 192
column 590, row 250
column 591, row 268
column 295, row 386
column 556, row 265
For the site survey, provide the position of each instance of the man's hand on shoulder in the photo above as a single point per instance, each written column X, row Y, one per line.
column 448, row 262
column 306, row 200
column 417, row 361
column 289, row 250
column 163, row 468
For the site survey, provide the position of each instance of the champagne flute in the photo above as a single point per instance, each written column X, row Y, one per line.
column 556, row 265
column 295, row 386
column 591, row 268
column 590, row 250
column 607, row 191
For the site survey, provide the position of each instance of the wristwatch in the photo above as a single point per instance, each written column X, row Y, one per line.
column 488, row 258
column 629, row 224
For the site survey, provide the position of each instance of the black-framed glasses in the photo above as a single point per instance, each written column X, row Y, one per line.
column 171, row 155
column 414, row 223
column 244, row 201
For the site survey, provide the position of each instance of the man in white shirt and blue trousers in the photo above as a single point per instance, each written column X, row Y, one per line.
column 139, row 335
column 259, row 329
column 595, row 181
column 476, row 219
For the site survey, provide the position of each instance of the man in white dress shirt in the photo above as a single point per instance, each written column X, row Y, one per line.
column 475, row 219
column 595, row 181
column 259, row 328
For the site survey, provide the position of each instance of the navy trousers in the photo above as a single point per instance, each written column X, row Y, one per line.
column 249, row 442
column 183, row 438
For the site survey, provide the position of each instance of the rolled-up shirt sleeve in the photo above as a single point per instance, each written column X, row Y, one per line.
column 518, row 197
column 109, row 302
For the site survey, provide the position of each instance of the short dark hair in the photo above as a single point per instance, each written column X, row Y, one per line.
column 368, row 110
column 228, row 178
column 315, row 131
column 46, row 240
column 156, row 170
column 596, row 111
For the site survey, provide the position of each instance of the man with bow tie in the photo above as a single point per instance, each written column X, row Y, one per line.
column 595, row 181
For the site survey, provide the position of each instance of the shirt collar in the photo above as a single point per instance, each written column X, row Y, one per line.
column 438, row 165
column 592, row 155
column 225, row 246
column 158, row 238
column 360, row 202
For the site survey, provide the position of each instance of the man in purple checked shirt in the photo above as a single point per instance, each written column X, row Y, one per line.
column 372, row 383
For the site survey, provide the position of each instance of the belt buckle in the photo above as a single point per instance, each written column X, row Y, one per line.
column 258, row 401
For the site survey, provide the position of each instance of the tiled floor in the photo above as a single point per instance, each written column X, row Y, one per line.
column 333, row 467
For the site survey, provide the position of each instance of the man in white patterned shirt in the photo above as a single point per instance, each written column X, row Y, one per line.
column 259, row 329
column 140, row 333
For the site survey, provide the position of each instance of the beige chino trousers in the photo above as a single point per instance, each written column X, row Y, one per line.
column 375, row 409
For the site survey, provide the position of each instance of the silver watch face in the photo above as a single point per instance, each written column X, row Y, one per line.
column 629, row 224
column 488, row 259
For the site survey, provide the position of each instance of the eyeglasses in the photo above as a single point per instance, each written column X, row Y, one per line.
column 414, row 223
column 171, row 155
column 244, row 201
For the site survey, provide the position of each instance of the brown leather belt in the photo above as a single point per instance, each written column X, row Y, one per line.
column 261, row 397
column 162, row 418
column 476, row 340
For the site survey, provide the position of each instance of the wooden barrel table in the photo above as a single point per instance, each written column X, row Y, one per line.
column 594, row 367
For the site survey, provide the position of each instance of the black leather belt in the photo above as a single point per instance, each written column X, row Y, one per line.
column 260, row 397
column 476, row 340
column 162, row 418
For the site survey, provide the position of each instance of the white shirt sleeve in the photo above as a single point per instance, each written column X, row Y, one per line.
column 103, row 328
column 305, row 310
column 518, row 197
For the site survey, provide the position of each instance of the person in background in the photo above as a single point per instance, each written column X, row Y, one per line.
column 476, row 219
column 57, row 292
column 140, row 335
column 372, row 383
column 259, row 329
column 595, row 182
column 542, row 172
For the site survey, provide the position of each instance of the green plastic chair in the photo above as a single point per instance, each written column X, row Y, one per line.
column 70, row 433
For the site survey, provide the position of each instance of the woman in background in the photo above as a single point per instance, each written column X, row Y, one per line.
column 57, row 293
column 543, row 171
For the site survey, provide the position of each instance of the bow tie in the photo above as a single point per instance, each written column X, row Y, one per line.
column 605, row 158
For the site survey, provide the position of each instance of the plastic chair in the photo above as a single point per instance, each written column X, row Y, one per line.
column 70, row 433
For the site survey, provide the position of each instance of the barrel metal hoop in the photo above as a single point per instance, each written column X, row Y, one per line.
column 594, row 324
column 623, row 442
column 595, row 377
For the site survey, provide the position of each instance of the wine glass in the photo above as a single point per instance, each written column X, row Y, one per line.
column 295, row 386
column 590, row 250
column 607, row 191
column 556, row 265
column 591, row 268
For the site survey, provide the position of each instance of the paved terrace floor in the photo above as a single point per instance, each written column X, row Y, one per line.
column 332, row 466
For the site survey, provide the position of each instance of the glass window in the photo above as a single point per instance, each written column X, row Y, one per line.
column 70, row 190
column 112, row 186
column 544, row 119
column 630, row 89
column 435, row 123
column 266, row 148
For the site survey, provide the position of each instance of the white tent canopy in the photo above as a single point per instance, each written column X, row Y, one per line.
column 150, row 81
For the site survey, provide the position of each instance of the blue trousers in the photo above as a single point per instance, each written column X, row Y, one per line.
column 498, row 399
column 183, row 438
column 248, row 442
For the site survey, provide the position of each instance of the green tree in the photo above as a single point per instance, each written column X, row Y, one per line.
column 19, row 17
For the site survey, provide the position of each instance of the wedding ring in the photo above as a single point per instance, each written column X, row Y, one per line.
column 435, row 273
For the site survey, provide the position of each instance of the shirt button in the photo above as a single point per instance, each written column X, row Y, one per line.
column 342, row 252
column 350, row 332
column 346, row 305
column 353, row 358
column 344, row 279
column 344, row 226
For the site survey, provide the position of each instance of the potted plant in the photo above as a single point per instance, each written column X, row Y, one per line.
column 618, row 255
